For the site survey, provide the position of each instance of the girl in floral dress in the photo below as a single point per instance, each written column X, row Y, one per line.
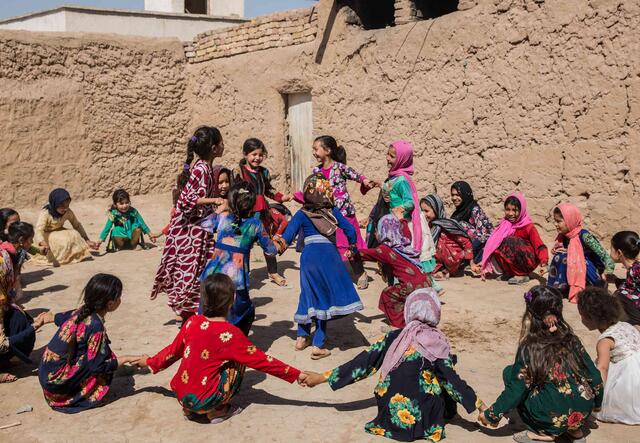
column 188, row 246
column 625, row 248
column 418, row 387
column 553, row 383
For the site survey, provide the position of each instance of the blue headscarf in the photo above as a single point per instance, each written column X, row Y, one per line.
column 56, row 198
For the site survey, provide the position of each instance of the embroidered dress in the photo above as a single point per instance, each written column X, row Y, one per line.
column 213, row 356
column 521, row 253
column 563, row 403
column 65, row 245
column 122, row 225
column 414, row 399
column 629, row 293
column 471, row 216
column 83, row 382
column 621, row 402
column 188, row 246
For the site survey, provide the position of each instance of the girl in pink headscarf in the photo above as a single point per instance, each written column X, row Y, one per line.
column 579, row 260
column 515, row 248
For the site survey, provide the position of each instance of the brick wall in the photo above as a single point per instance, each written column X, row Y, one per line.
column 271, row 31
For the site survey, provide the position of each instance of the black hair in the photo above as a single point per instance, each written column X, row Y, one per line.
column 217, row 294
column 557, row 211
column 20, row 231
column 543, row 348
column 201, row 144
column 628, row 242
column 118, row 196
column 253, row 144
column 600, row 307
column 181, row 182
column 100, row 290
column 242, row 199
column 512, row 200
column 336, row 152
column 5, row 213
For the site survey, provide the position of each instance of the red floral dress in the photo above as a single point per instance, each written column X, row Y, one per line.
column 451, row 250
column 522, row 252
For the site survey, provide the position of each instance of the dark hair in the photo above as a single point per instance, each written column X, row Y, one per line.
column 100, row 290
column 201, row 143
column 253, row 144
column 181, row 182
column 216, row 294
column 512, row 200
column 242, row 199
column 600, row 307
column 118, row 196
column 557, row 211
column 628, row 242
column 336, row 152
column 5, row 213
column 20, row 231
column 542, row 349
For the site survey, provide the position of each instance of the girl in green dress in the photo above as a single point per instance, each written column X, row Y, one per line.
column 553, row 382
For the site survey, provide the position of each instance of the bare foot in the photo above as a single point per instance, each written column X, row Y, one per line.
column 7, row 378
column 303, row 343
column 318, row 353
column 278, row 279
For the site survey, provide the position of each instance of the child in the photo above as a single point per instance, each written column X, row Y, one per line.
column 578, row 258
column 77, row 365
column 19, row 243
column 553, row 383
column 327, row 152
column 188, row 247
column 213, row 356
column 64, row 246
column 618, row 355
column 515, row 248
column 326, row 290
column 125, row 224
column 395, row 252
column 471, row 216
column 625, row 247
column 251, row 170
column 237, row 232
column 8, row 216
column 418, row 387
column 453, row 245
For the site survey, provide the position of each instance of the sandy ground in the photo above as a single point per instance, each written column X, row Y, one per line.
column 482, row 320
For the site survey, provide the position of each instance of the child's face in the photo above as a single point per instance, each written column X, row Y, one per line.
column 559, row 223
column 26, row 243
column 15, row 218
column 223, row 184
column 255, row 158
column 455, row 197
column 218, row 149
column 64, row 207
column 391, row 157
column 320, row 152
column 428, row 211
column 123, row 205
column 511, row 213
column 114, row 304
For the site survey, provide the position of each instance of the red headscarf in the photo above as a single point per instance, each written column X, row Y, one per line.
column 576, row 264
column 403, row 166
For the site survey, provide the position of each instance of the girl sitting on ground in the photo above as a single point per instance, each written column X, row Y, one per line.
column 553, row 383
column 418, row 387
column 213, row 356
column 515, row 248
column 125, row 226
column 578, row 258
column 625, row 248
column 618, row 355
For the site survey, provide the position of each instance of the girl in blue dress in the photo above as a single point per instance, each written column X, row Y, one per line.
column 326, row 291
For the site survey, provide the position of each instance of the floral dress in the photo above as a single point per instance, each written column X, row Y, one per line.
column 415, row 399
column 629, row 293
column 562, row 404
column 123, row 224
column 81, row 383
column 479, row 229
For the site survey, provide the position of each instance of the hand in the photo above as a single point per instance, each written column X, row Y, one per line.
column 93, row 245
column 218, row 201
column 222, row 207
column 348, row 254
column 398, row 211
column 302, row 379
column 483, row 420
column 287, row 198
column 43, row 319
column 44, row 248
column 127, row 359
column 543, row 269
column 154, row 237
column 141, row 362
column 313, row 378
column 476, row 268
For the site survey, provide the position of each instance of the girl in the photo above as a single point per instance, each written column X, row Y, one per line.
column 618, row 355
column 453, row 245
column 125, row 224
column 8, row 216
column 395, row 252
column 326, row 290
column 213, row 356
column 251, row 170
column 327, row 152
column 471, row 216
column 553, row 383
column 418, row 387
column 625, row 247
column 237, row 232
column 188, row 246
column 514, row 249
column 19, row 243
column 77, row 365
column 64, row 246
column 578, row 258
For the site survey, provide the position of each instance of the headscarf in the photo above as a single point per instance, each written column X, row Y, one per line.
column 56, row 198
column 318, row 202
column 216, row 171
column 422, row 315
column 505, row 229
column 576, row 264
column 403, row 166
column 390, row 233
column 441, row 221
column 463, row 212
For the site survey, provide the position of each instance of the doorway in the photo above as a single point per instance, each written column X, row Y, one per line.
column 299, row 115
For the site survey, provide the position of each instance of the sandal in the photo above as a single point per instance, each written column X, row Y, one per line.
column 278, row 279
column 363, row 282
column 518, row 280
column 231, row 411
column 7, row 378
column 319, row 354
column 305, row 345
column 523, row 437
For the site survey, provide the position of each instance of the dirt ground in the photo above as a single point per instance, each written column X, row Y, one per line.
column 482, row 320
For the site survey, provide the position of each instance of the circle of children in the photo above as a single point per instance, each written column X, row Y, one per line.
column 220, row 213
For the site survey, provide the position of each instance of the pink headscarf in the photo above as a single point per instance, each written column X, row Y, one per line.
column 505, row 229
column 422, row 315
column 403, row 166
column 576, row 264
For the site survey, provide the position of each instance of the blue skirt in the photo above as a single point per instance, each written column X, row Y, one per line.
column 326, row 290
column 558, row 273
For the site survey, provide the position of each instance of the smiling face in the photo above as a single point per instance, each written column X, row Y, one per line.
column 223, row 184
column 428, row 211
column 255, row 158
column 391, row 157
column 64, row 207
column 456, row 199
column 560, row 224
column 511, row 212
column 320, row 153
column 123, row 205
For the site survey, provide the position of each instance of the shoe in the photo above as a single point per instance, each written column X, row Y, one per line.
column 518, row 280
column 363, row 282
column 232, row 411
column 278, row 279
